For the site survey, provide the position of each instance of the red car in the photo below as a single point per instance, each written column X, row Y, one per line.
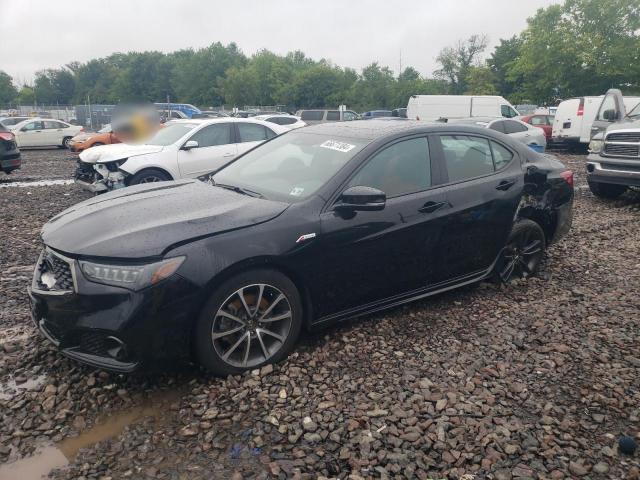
column 545, row 122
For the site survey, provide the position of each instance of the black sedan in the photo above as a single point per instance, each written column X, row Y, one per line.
column 9, row 152
column 319, row 224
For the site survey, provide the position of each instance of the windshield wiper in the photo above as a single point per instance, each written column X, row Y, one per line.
column 240, row 190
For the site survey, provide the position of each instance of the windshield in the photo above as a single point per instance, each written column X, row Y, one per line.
column 290, row 167
column 171, row 133
column 635, row 111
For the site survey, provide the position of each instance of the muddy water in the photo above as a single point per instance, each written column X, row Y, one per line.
column 60, row 454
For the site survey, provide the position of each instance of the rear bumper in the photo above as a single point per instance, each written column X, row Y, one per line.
column 10, row 162
column 613, row 170
column 566, row 142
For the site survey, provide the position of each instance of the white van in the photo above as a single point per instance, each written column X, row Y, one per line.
column 572, row 127
column 437, row 107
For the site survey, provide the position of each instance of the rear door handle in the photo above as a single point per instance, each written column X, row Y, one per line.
column 505, row 184
column 431, row 207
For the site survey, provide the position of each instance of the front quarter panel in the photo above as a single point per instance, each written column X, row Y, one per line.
column 166, row 160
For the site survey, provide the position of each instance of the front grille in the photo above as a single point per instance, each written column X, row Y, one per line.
column 624, row 137
column 622, row 150
column 53, row 273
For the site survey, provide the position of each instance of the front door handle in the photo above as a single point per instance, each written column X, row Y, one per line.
column 228, row 155
column 505, row 184
column 431, row 207
column 593, row 129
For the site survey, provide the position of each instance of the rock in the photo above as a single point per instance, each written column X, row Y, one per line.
column 441, row 404
column 266, row 370
column 377, row 412
column 309, row 425
column 627, row 445
column 188, row 431
column 578, row 469
column 282, row 394
column 601, row 468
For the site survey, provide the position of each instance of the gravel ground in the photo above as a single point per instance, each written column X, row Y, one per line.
column 536, row 379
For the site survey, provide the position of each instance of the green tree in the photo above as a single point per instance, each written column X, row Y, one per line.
column 8, row 91
column 26, row 96
column 456, row 61
column 501, row 60
column 481, row 81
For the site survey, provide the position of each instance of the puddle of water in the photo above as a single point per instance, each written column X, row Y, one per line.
column 59, row 455
column 27, row 469
column 37, row 183
column 10, row 389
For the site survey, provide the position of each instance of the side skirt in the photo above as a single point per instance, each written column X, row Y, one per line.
column 403, row 298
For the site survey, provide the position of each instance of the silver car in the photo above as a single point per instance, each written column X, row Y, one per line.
column 518, row 130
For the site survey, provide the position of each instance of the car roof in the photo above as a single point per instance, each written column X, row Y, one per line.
column 372, row 129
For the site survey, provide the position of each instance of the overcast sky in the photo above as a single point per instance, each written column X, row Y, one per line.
column 37, row 34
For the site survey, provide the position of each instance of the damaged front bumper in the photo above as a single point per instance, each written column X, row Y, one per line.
column 99, row 177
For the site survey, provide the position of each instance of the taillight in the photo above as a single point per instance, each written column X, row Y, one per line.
column 567, row 175
column 8, row 136
column 581, row 108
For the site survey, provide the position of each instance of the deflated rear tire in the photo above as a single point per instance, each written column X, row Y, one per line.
column 606, row 190
column 523, row 253
column 250, row 320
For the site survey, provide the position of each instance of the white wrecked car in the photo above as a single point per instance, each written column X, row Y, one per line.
column 182, row 149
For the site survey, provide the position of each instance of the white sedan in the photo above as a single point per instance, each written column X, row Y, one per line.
column 181, row 149
column 516, row 129
column 288, row 121
column 44, row 132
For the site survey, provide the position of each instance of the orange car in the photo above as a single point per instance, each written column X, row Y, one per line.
column 85, row 140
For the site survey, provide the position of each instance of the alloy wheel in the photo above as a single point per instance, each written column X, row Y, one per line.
column 522, row 255
column 251, row 325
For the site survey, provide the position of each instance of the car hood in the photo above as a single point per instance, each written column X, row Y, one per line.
column 625, row 124
column 118, row 151
column 147, row 220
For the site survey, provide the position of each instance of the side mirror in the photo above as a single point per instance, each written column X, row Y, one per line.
column 189, row 145
column 23, row 129
column 360, row 198
column 609, row 115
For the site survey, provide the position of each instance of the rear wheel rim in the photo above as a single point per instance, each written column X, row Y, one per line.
column 522, row 255
column 252, row 325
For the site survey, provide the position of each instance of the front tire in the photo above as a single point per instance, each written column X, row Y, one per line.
column 65, row 142
column 149, row 175
column 251, row 320
column 606, row 190
column 523, row 253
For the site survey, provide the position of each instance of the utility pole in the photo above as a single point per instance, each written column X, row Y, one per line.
column 400, row 63
column 90, row 114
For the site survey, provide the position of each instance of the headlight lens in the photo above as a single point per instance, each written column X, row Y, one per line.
column 133, row 277
column 595, row 146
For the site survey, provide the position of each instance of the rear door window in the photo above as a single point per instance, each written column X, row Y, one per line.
column 466, row 157
column 252, row 132
column 513, row 127
column 497, row 126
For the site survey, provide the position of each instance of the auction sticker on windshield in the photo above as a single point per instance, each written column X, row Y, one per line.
column 338, row 146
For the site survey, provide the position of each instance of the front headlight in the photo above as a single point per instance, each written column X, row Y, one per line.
column 133, row 277
column 595, row 146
